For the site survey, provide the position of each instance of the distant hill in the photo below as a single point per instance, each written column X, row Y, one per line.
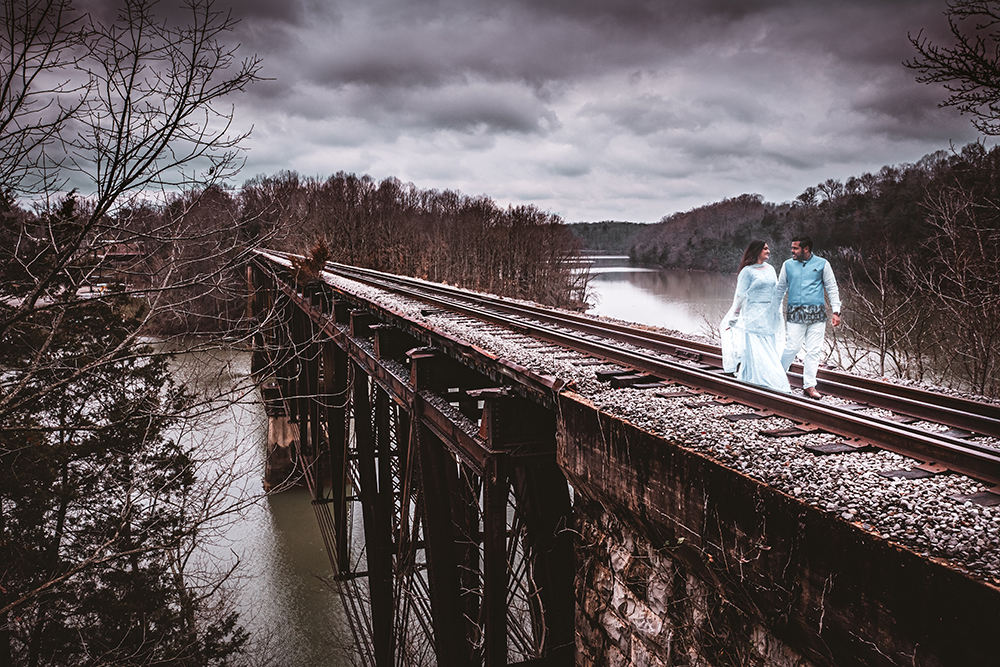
column 608, row 237
column 861, row 217
column 712, row 237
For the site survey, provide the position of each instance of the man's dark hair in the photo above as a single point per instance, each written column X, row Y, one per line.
column 804, row 242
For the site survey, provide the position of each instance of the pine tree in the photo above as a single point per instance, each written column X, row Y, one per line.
column 96, row 501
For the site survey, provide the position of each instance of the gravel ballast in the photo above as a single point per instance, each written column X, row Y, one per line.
column 925, row 515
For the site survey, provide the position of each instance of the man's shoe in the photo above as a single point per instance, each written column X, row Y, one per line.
column 811, row 392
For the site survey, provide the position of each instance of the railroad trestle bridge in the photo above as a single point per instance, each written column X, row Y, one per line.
column 477, row 512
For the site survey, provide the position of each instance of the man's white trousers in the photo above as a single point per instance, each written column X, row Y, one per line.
column 809, row 339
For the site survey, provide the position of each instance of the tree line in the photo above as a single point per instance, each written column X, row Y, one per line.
column 609, row 237
column 916, row 248
column 443, row 236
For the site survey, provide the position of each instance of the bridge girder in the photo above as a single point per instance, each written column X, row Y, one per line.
column 450, row 455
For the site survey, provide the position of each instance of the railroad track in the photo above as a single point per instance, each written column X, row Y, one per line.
column 656, row 359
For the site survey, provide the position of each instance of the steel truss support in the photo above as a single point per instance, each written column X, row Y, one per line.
column 461, row 550
column 375, row 504
column 335, row 387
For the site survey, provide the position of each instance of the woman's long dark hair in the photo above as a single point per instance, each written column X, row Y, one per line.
column 751, row 254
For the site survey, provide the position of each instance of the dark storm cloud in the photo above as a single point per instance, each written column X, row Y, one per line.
column 286, row 11
column 421, row 44
column 597, row 104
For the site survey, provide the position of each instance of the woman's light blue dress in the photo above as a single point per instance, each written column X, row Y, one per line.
column 752, row 331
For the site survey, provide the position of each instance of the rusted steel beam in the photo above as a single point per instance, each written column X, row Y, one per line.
column 391, row 343
column 287, row 372
column 377, row 525
column 335, row 386
column 315, row 432
column 451, row 646
column 301, row 330
column 543, row 499
column 454, row 430
column 384, row 422
column 468, row 539
column 361, row 324
column 468, row 446
column 495, row 491
column 512, row 424
column 443, row 372
column 308, row 404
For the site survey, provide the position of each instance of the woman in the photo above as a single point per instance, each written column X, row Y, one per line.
column 752, row 331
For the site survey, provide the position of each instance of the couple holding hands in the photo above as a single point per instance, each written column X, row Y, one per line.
column 753, row 333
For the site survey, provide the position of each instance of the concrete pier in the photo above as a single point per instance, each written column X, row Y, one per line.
column 279, row 468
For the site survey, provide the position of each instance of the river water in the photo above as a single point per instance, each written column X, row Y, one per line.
column 281, row 586
column 691, row 302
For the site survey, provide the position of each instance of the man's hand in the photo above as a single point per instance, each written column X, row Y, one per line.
column 835, row 320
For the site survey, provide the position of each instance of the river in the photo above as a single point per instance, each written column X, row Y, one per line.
column 691, row 302
column 281, row 585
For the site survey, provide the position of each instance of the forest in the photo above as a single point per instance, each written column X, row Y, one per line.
column 608, row 237
column 517, row 251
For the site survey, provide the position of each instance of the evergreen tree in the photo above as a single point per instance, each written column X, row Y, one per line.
column 97, row 503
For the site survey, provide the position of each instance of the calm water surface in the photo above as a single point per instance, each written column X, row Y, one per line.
column 280, row 585
column 690, row 302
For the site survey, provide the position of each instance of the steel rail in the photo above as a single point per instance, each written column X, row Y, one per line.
column 969, row 458
column 975, row 417
column 957, row 455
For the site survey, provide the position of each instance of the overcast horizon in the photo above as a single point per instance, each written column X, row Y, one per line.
column 626, row 110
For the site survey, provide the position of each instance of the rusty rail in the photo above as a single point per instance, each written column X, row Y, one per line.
column 954, row 453
column 974, row 416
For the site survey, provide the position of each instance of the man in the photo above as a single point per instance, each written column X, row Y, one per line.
column 808, row 279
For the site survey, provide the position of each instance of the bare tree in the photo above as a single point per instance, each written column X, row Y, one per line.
column 890, row 322
column 969, row 69
column 961, row 279
column 42, row 43
column 101, row 126
column 150, row 120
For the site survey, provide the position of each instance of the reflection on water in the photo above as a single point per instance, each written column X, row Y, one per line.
column 280, row 586
column 294, row 605
column 689, row 301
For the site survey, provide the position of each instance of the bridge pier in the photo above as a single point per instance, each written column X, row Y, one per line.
column 684, row 559
column 279, row 465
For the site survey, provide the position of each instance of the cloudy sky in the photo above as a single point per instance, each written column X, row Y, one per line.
column 621, row 109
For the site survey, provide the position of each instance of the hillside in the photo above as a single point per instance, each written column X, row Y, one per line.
column 606, row 238
column 854, row 218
